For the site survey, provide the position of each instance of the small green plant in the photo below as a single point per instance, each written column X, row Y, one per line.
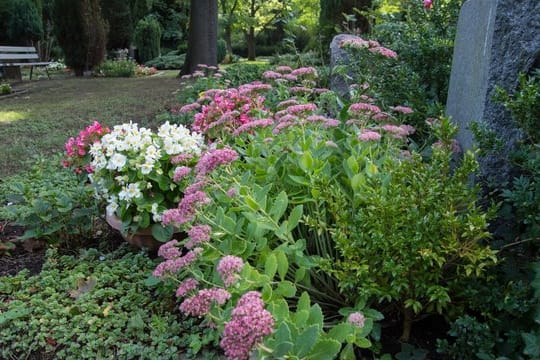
column 172, row 60
column 52, row 203
column 5, row 88
column 147, row 37
column 117, row 68
column 94, row 306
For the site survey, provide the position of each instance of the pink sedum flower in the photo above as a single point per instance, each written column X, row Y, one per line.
column 368, row 135
column 249, row 324
column 198, row 234
column 228, row 268
column 186, row 286
column 200, row 303
column 428, row 4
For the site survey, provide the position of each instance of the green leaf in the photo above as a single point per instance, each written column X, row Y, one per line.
column 271, row 265
column 300, row 318
column 303, row 301
column 283, row 333
column 362, row 343
column 251, row 203
column 282, row 349
column 340, row 331
column 294, row 217
column 306, row 162
column 279, row 206
column 162, row 233
column 280, row 309
column 347, row 353
column 286, row 289
column 16, row 313
column 324, row 349
column 282, row 264
column 353, row 165
column 299, row 180
column 151, row 281
column 532, row 344
column 316, row 316
column 305, row 340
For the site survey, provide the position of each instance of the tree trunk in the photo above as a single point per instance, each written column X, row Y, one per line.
column 202, row 39
column 250, row 41
column 227, row 35
column 408, row 317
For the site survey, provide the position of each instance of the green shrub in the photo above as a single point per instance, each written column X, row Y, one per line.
column 117, row 68
column 5, row 89
column 147, row 38
column 244, row 72
column 172, row 61
column 93, row 306
column 52, row 203
column 81, row 31
column 221, row 50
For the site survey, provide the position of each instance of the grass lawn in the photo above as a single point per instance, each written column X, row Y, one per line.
column 46, row 113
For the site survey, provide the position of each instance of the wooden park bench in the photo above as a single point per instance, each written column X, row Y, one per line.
column 12, row 58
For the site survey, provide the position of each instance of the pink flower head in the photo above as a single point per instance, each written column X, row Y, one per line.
column 271, row 75
column 368, row 135
column 249, row 324
column 197, row 235
column 428, row 4
column 169, row 250
column 283, row 69
column 180, row 173
column 174, row 265
column 402, row 109
column 357, row 319
column 362, row 108
column 200, row 303
column 186, row 286
column 396, row 131
column 213, row 158
column 384, row 52
column 228, row 268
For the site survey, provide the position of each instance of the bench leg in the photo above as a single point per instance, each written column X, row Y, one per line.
column 47, row 71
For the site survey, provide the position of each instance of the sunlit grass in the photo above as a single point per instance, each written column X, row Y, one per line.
column 11, row 116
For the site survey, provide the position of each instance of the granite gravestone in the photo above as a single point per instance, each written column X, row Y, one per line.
column 495, row 41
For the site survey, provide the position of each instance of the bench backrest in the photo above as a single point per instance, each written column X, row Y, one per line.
column 18, row 53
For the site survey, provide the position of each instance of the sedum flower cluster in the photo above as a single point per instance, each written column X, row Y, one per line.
column 134, row 170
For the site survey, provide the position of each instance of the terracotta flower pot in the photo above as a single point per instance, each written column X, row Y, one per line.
column 141, row 239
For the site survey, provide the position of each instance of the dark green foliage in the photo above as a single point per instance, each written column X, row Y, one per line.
column 424, row 40
column 20, row 22
column 52, row 203
column 148, row 39
column 140, row 9
column 244, row 73
column 117, row 68
column 331, row 16
column 118, row 15
column 80, row 31
column 221, row 50
column 173, row 60
column 95, row 306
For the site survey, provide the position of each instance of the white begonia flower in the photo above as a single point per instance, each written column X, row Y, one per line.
column 111, row 208
column 117, row 161
column 164, row 130
column 152, row 152
column 146, row 168
column 133, row 191
column 120, row 180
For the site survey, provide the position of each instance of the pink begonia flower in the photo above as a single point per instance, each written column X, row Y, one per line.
column 428, row 4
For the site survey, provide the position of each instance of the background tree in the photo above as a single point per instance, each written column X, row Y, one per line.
column 20, row 22
column 331, row 16
column 118, row 15
column 147, row 39
column 228, row 18
column 82, row 39
column 256, row 16
column 202, row 39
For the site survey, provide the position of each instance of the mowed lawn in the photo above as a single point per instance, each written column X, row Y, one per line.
column 39, row 120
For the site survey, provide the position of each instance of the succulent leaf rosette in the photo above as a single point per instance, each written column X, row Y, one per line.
column 134, row 172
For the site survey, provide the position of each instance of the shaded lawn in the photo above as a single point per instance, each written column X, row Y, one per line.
column 47, row 112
